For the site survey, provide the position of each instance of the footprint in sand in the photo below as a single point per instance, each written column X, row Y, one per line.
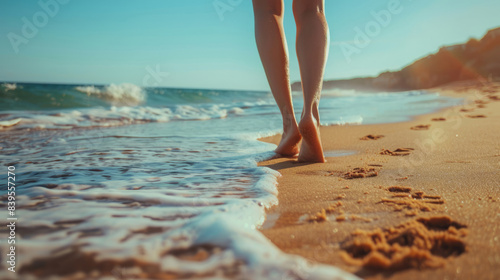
column 322, row 215
column 476, row 116
column 481, row 102
column 355, row 173
column 419, row 243
column 438, row 119
column 397, row 152
column 490, row 90
column 335, row 212
column 371, row 137
column 404, row 198
column 421, row 127
column 361, row 172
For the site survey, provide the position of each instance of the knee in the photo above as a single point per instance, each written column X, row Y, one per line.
column 303, row 8
column 268, row 7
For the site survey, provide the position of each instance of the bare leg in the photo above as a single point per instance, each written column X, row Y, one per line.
column 273, row 52
column 312, row 51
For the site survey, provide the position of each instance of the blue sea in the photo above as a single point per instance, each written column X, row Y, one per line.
column 132, row 182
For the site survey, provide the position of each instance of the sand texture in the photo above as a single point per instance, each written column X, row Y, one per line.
column 418, row 199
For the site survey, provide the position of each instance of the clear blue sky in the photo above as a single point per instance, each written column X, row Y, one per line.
column 116, row 41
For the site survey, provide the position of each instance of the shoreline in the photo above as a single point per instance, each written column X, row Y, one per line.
column 455, row 161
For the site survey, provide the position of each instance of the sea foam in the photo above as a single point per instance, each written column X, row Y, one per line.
column 113, row 116
column 125, row 94
column 151, row 199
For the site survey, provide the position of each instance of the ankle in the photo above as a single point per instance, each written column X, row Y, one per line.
column 309, row 117
column 289, row 123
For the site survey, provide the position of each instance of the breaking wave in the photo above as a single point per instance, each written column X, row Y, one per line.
column 119, row 95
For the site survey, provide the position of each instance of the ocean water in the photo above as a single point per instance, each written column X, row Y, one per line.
column 123, row 182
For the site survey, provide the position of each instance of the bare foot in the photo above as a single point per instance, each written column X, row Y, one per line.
column 311, row 149
column 289, row 144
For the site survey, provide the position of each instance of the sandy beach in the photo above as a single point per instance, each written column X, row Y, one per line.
column 141, row 140
column 410, row 200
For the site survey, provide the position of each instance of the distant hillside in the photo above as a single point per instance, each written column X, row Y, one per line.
column 472, row 60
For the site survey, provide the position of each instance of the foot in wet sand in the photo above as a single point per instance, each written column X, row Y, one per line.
column 311, row 149
column 289, row 144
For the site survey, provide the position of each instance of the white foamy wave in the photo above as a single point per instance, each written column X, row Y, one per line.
column 344, row 121
column 216, row 204
column 119, row 95
column 339, row 92
column 114, row 116
column 236, row 111
column 8, row 86
column 89, row 90
column 11, row 122
column 259, row 102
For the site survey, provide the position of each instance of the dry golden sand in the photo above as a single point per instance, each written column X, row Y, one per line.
column 453, row 180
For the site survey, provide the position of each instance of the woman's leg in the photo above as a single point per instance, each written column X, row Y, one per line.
column 273, row 52
column 312, row 52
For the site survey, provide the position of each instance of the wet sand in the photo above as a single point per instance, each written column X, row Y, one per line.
column 421, row 202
